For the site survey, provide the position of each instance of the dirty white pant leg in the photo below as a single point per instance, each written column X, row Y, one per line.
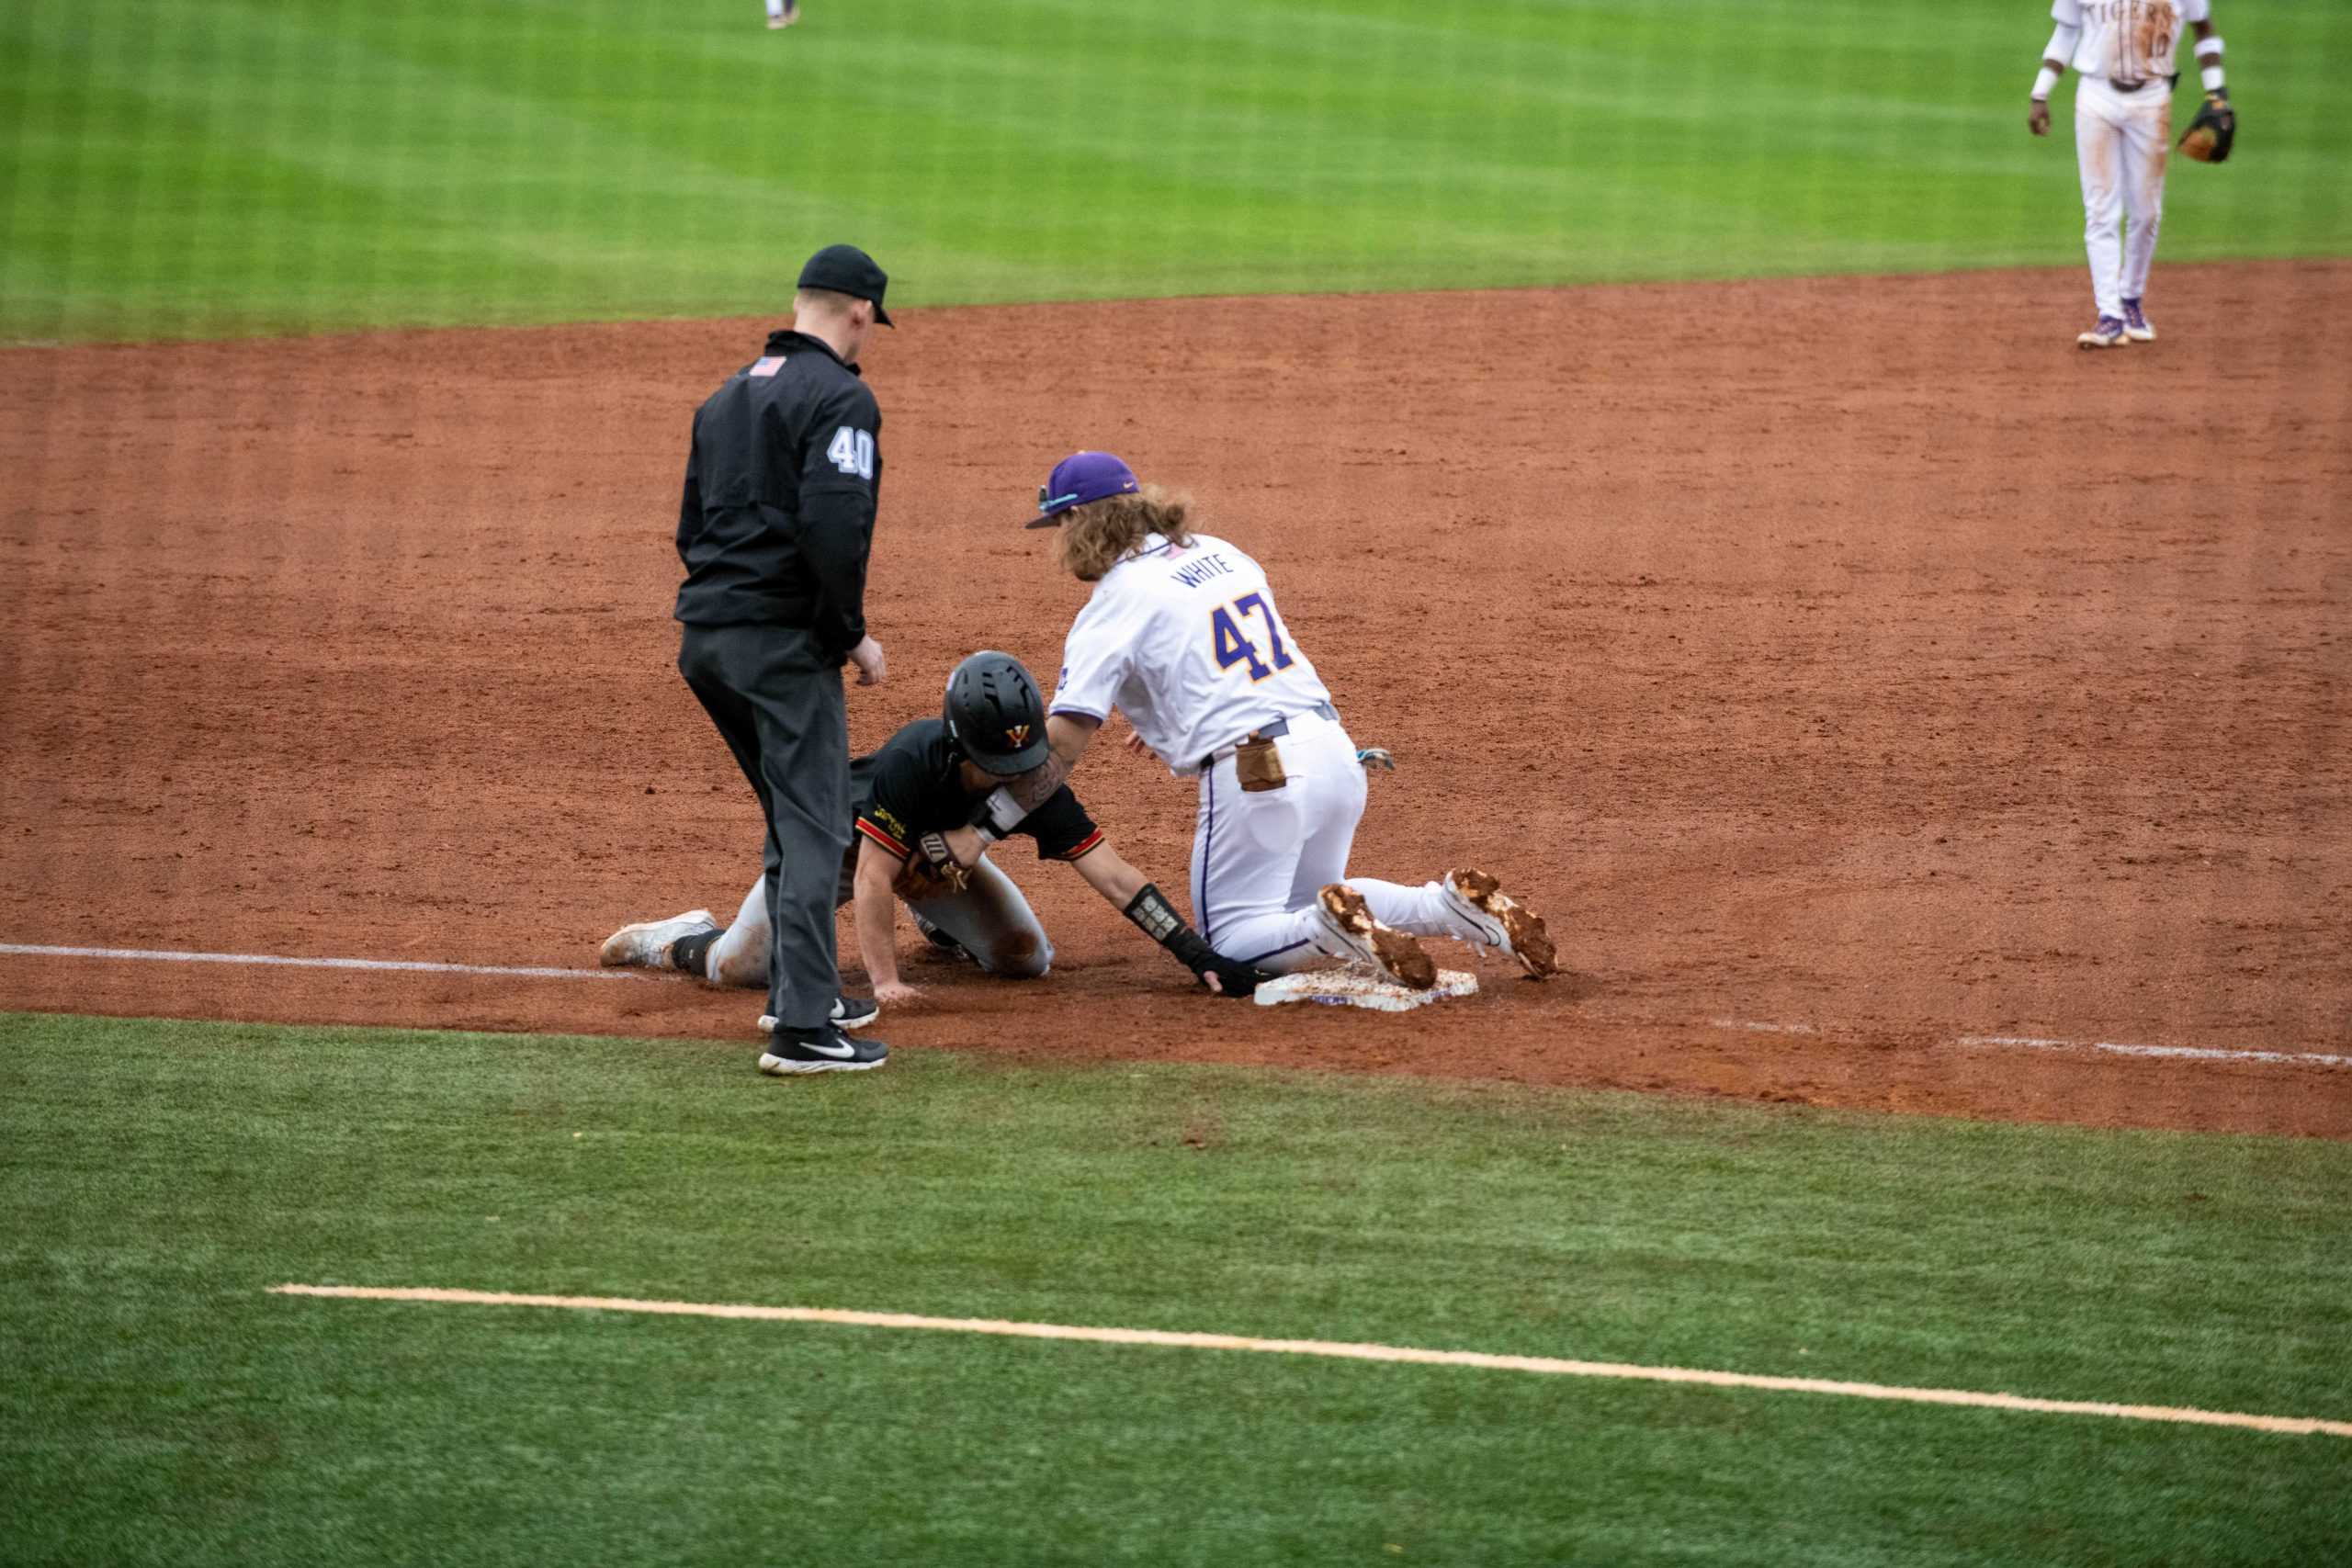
column 995, row 924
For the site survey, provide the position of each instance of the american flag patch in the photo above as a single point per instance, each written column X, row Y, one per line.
column 768, row 365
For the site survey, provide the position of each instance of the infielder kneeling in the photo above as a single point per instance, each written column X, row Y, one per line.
column 1182, row 636
column 924, row 780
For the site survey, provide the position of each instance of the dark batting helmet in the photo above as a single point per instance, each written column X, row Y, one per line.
column 995, row 714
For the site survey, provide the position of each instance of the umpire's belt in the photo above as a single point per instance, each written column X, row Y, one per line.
column 1273, row 731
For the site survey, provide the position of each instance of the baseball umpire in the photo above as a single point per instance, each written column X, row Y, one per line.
column 775, row 529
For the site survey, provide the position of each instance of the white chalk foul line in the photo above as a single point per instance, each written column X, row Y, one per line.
column 2029, row 1042
column 155, row 956
column 2295, row 1425
column 2190, row 1052
column 529, row 971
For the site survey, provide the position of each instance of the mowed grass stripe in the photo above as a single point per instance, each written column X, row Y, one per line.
column 311, row 165
column 1329, row 1349
column 162, row 1407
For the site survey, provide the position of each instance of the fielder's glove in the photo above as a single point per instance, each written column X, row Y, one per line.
column 2209, row 136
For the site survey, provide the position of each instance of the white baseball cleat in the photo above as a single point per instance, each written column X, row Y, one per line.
column 2105, row 332
column 791, row 15
column 1346, row 920
column 1502, row 921
column 2136, row 325
column 646, row 945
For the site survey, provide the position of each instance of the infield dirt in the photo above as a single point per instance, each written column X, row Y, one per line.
column 1848, row 655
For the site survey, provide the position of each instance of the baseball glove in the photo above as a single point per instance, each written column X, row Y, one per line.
column 929, row 873
column 2209, row 136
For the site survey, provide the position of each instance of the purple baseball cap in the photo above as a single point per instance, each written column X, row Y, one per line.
column 1078, row 478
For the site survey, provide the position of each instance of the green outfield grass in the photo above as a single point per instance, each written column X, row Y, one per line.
column 159, row 1407
column 283, row 165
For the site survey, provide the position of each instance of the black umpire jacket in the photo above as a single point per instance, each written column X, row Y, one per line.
column 778, row 516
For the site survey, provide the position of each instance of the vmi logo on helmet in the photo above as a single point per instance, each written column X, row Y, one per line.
column 995, row 714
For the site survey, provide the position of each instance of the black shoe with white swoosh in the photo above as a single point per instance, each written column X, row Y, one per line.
column 826, row 1050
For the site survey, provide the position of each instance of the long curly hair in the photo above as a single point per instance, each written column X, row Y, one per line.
column 1095, row 536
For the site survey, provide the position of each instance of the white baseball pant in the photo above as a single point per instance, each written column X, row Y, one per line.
column 1260, row 857
column 2120, row 142
column 989, row 918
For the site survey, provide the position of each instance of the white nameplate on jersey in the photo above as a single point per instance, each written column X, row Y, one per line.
column 1200, row 570
column 768, row 365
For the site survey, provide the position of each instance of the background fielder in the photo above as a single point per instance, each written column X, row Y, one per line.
column 2124, row 54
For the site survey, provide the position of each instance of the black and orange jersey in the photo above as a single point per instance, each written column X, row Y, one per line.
column 911, row 786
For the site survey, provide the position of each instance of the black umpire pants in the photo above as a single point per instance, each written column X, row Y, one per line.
column 777, row 698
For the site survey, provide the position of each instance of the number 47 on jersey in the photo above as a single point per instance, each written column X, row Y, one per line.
column 1233, row 646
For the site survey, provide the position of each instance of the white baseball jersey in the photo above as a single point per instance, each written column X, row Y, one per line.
column 2129, row 40
column 1187, row 643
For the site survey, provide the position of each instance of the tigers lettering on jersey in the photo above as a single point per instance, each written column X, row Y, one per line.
column 1189, row 643
column 2129, row 40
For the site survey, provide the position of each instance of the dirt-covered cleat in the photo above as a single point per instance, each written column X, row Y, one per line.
column 2136, row 325
column 646, row 945
column 1501, row 920
column 1352, row 932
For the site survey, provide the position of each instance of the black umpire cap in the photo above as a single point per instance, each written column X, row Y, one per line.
column 845, row 269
